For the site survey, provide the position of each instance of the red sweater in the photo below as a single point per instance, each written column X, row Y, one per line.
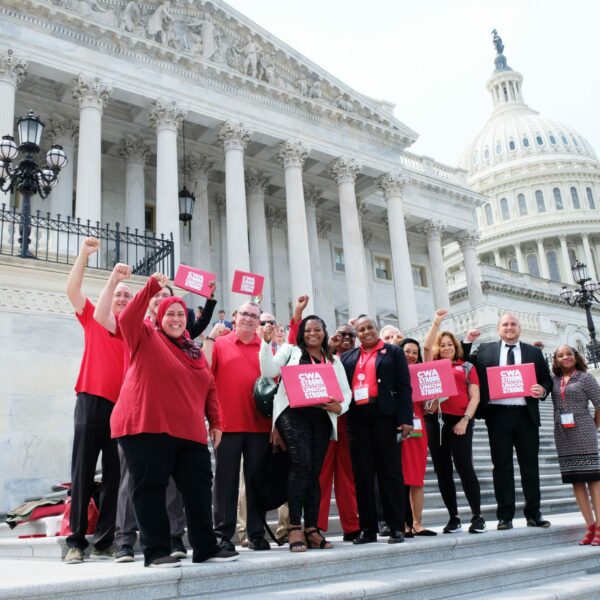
column 161, row 393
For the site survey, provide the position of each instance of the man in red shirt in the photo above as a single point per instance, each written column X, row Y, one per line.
column 98, row 385
column 235, row 366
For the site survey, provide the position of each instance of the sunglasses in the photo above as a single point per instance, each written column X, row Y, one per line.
column 247, row 315
column 346, row 334
column 263, row 323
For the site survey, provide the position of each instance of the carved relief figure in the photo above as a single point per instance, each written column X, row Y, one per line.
column 160, row 23
column 251, row 53
column 91, row 9
column 131, row 17
column 302, row 85
column 209, row 39
column 497, row 41
column 315, row 90
column 342, row 103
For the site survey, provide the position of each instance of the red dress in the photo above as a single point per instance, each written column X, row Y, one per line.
column 414, row 453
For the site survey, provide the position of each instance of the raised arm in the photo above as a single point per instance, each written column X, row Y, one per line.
column 270, row 366
column 439, row 316
column 197, row 327
column 103, row 313
column 75, row 280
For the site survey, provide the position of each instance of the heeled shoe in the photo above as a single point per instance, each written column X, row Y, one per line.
column 298, row 546
column 586, row 540
column 322, row 544
column 596, row 538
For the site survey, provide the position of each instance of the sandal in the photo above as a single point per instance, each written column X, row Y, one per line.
column 596, row 538
column 322, row 544
column 586, row 540
column 298, row 546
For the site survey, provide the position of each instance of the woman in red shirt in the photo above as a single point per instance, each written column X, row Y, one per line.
column 159, row 421
column 450, row 428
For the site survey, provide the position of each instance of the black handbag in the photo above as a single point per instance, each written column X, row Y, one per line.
column 264, row 393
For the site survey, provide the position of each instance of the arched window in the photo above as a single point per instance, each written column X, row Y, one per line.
column 590, row 197
column 522, row 204
column 532, row 265
column 574, row 140
column 539, row 198
column 512, row 145
column 513, row 265
column 504, row 209
column 572, row 257
column 552, row 140
column 558, row 199
column 486, row 153
column 498, row 148
column 575, row 197
column 539, row 140
column 553, row 265
column 526, row 142
column 565, row 140
column 489, row 217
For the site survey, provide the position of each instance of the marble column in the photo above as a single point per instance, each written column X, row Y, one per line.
column 542, row 260
column 434, row 231
column 198, row 168
column 567, row 274
column 64, row 133
column 280, row 297
column 589, row 261
column 392, row 184
column 292, row 156
column 327, row 310
column 467, row 240
column 313, row 195
column 497, row 259
column 234, row 137
column 344, row 171
column 166, row 118
column 135, row 152
column 12, row 72
column 521, row 264
column 91, row 95
column 225, row 285
column 256, row 185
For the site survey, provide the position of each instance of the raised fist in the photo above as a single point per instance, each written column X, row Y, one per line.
column 302, row 302
column 90, row 245
column 162, row 279
column 121, row 271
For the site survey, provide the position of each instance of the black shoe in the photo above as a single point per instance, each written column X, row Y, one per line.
column 538, row 522
column 477, row 525
column 164, row 562
column 124, row 554
column 504, row 524
column 259, row 543
column 396, row 537
column 226, row 544
column 350, row 537
column 453, row 525
column 223, row 555
column 178, row 549
column 384, row 531
column 409, row 533
column 365, row 538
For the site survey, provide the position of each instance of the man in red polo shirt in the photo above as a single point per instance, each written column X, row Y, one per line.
column 98, row 385
column 234, row 363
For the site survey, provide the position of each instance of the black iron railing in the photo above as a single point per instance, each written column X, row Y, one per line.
column 57, row 240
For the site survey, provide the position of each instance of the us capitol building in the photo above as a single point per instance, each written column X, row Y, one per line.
column 296, row 176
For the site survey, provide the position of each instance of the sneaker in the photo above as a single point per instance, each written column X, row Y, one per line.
column 124, row 554
column 106, row 554
column 453, row 525
column 74, row 556
column 178, row 549
column 223, row 555
column 259, row 543
column 477, row 525
column 164, row 562
column 226, row 544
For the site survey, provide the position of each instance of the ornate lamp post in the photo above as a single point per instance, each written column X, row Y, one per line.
column 27, row 177
column 186, row 198
column 584, row 296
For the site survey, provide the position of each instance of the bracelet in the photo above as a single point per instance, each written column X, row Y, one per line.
column 210, row 338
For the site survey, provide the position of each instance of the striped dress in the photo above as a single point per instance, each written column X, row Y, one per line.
column 577, row 447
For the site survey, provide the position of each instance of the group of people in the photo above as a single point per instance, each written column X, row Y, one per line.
column 149, row 398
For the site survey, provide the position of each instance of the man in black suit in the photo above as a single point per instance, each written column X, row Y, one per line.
column 512, row 421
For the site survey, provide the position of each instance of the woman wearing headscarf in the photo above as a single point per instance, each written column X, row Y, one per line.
column 305, row 431
column 576, row 434
column 379, row 418
column 159, row 421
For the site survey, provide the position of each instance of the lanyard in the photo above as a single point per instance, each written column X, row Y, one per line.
column 363, row 363
column 563, row 390
column 314, row 361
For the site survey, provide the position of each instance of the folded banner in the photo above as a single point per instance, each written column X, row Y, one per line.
column 247, row 283
column 194, row 280
column 432, row 379
column 308, row 385
column 512, row 381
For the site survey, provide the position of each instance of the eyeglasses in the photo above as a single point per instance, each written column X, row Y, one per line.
column 263, row 323
column 247, row 315
column 346, row 334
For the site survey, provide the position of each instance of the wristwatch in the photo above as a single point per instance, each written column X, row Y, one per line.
column 467, row 418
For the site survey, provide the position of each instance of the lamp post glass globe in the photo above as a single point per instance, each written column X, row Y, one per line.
column 8, row 148
column 30, row 132
column 186, row 204
column 56, row 157
column 580, row 272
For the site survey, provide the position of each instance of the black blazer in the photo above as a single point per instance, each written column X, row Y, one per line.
column 393, row 381
column 196, row 327
column 488, row 355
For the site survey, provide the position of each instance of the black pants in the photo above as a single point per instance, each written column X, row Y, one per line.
column 126, row 524
column 306, row 433
column 508, row 427
column 92, row 436
column 253, row 447
column 154, row 457
column 457, row 449
column 375, row 451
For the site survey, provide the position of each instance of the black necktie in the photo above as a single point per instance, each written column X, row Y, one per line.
column 510, row 355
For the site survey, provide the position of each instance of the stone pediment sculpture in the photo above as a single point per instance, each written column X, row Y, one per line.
column 211, row 33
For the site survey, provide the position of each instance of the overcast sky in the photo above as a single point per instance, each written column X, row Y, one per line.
column 432, row 57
